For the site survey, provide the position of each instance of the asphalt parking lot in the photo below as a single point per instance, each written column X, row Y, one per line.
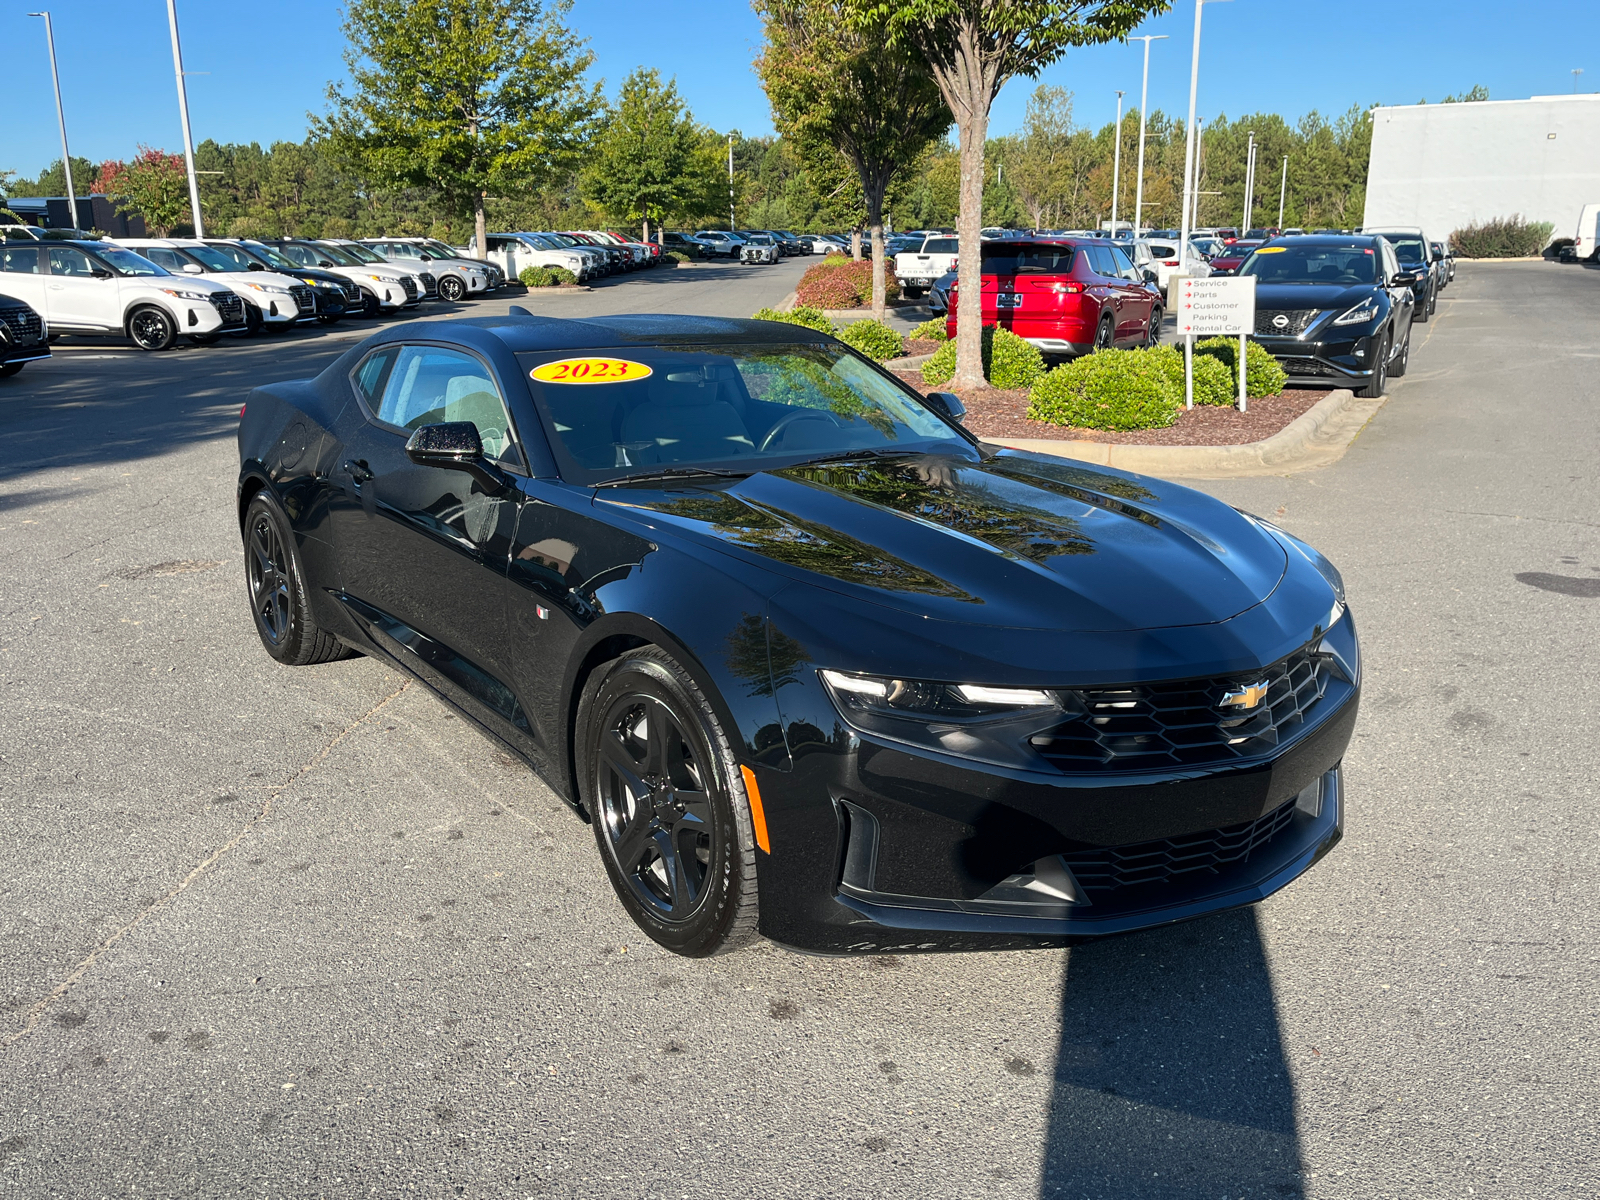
column 301, row 933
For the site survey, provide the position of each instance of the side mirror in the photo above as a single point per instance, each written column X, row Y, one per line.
column 101, row 273
column 1151, row 276
column 1223, row 271
column 322, row 262
column 193, row 269
column 1403, row 278
column 255, row 266
column 427, row 258
column 456, row 446
column 948, row 404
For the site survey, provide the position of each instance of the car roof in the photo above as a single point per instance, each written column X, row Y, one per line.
column 521, row 334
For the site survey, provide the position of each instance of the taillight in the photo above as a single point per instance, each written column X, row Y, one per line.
column 1071, row 289
column 1169, row 262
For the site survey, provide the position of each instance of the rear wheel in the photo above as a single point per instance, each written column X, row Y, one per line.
column 1424, row 308
column 1402, row 360
column 152, row 328
column 1105, row 335
column 668, row 803
column 1379, row 381
column 276, row 587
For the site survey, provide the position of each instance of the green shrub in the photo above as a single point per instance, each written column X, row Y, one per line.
column 537, row 277
column 1263, row 375
column 933, row 330
column 677, row 256
column 811, row 318
column 1503, row 237
column 874, row 339
column 1008, row 361
column 1114, row 389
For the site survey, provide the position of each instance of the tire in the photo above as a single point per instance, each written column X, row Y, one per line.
column 452, row 289
column 1105, row 335
column 644, row 729
column 1402, row 361
column 1152, row 333
column 275, row 586
column 1424, row 310
column 152, row 328
column 253, row 320
column 7, row 370
column 371, row 306
column 330, row 318
column 1375, row 386
column 1433, row 302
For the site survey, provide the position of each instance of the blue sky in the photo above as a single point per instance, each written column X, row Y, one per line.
column 269, row 68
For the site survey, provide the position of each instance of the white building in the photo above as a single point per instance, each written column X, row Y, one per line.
column 1443, row 166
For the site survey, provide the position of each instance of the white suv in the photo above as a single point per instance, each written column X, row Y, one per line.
column 516, row 252
column 427, row 281
column 458, row 278
column 384, row 287
column 271, row 300
column 918, row 269
column 103, row 288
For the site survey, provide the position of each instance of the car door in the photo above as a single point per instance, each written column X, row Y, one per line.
column 23, row 274
column 423, row 550
column 76, row 296
column 1137, row 299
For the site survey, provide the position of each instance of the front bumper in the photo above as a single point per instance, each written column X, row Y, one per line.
column 1338, row 361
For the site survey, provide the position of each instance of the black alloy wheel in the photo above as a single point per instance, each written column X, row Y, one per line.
column 452, row 289
column 1402, row 360
column 277, row 591
column 1152, row 333
column 152, row 329
column 1379, row 379
column 1105, row 334
column 668, row 803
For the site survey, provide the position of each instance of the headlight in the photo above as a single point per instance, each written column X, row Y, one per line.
column 181, row 294
column 380, row 279
column 977, row 721
column 1366, row 311
column 265, row 287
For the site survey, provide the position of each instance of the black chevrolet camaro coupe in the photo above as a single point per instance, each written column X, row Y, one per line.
column 815, row 661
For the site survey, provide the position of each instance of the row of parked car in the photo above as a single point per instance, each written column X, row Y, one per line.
column 1334, row 308
column 590, row 254
column 155, row 290
column 754, row 245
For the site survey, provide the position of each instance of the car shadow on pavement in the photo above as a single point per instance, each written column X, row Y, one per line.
column 1171, row 1080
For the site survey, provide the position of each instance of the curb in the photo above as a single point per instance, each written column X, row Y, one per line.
column 909, row 360
column 787, row 303
column 556, row 291
column 1314, row 439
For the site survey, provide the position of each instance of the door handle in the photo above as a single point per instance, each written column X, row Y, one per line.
column 359, row 471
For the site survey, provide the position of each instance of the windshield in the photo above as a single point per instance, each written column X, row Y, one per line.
column 725, row 408
column 440, row 250
column 126, row 262
column 211, row 259
column 1342, row 265
column 1407, row 249
column 361, row 254
column 337, row 255
column 273, row 259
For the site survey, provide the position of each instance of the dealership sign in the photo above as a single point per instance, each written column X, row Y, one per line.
column 1217, row 306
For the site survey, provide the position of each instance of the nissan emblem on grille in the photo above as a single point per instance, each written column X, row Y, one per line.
column 1280, row 321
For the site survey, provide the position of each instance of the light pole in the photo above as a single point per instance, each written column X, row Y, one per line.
column 183, row 113
column 61, row 116
column 1283, row 192
column 1144, row 104
column 1190, row 181
column 730, row 183
column 1116, row 166
column 1249, row 184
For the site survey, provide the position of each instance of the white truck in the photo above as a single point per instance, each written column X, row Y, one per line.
column 1587, row 243
column 917, row 269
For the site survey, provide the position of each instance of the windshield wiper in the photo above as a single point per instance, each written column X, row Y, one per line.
column 865, row 452
column 676, row 473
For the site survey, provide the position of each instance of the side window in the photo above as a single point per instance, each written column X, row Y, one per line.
column 19, row 260
column 1124, row 268
column 1391, row 266
column 429, row 385
column 64, row 260
column 1101, row 262
column 299, row 254
column 162, row 257
column 369, row 377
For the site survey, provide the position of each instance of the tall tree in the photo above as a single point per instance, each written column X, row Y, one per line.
column 836, row 88
column 973, row 47
column 642, row 165
column 469, row 97
column 154, row 184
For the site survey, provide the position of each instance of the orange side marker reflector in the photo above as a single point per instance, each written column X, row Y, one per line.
column 758, row 815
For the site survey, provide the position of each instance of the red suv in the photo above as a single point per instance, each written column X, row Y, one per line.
column 1068, row 296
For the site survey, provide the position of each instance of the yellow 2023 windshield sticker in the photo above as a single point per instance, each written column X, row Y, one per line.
column 1270, row 249
column 591, row 370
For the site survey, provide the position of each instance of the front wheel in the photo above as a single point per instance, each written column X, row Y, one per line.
column 1397, row 368
column 276, row 587
column 371, row 306
column 152, row 328
column 667, row 797
column 1424, row 308
column 330, row 318
column 7, row 370
column 1379, row 380
column 452, row 289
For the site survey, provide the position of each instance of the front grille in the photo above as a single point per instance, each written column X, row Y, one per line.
column 23, row 324
column 1296, row 321
column 229, row 306
column 1304, row 366
column 305, row 300
column 1162, row 725
column 430, row 284
column 409, row 286
column 1166, row 859
column 352, row 292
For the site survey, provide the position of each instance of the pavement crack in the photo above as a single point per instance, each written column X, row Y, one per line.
column 36, row 1012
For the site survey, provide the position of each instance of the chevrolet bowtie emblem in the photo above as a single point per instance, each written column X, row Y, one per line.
column 1246, row 697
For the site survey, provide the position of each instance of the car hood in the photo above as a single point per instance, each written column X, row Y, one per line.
column 1017, row 541
column 1311, row 295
